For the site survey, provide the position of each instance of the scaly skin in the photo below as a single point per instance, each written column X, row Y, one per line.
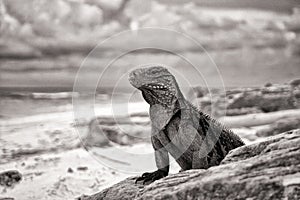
column 193, row 138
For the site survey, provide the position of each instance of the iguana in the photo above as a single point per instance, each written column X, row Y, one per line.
column 193, row 138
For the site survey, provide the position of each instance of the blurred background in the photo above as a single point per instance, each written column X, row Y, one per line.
column 43, row 43
column 255, row 45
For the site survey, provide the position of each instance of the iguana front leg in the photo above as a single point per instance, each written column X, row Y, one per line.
column 162, row 163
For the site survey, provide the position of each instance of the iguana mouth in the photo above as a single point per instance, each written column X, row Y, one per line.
column 155, row 94
column 157, row 86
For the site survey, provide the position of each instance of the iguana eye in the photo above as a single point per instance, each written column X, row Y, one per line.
column 155, row 72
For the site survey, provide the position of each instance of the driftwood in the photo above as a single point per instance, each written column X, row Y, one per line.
column 135, row 119
column 258, row 119
column 103, row 131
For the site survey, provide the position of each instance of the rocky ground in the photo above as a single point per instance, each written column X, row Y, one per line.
column 264, row 170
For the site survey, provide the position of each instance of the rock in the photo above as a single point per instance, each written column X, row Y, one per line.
column 125, row 190
column 240, row 101
column 258, row 119
column 295, row 82
column 83, row 168
column 267, row 102
column 198, row 92
column 280, row 126
column 70, row 170
column 268, row 84
column 10, row 178
column 264, row 170
column 242, row 111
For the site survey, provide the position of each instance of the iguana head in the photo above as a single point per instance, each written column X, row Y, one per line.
column 157, row 84
column 159, row 89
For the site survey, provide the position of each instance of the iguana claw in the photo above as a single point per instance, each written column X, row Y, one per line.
column 151, row 176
